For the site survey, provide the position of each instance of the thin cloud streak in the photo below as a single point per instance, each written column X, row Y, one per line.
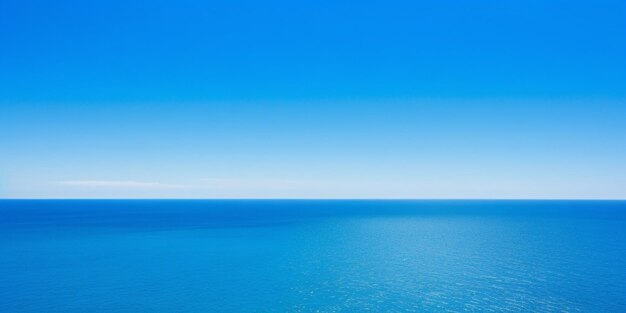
column 120, row 184
column 233, row 184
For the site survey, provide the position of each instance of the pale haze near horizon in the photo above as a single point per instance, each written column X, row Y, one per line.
column 539, row 150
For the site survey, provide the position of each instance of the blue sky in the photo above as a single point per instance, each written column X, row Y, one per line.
column 327, row 99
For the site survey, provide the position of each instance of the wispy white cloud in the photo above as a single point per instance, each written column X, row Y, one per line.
column 120, row 184
column 206, row 184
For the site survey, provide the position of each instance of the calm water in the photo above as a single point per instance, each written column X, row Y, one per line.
column 304, row 256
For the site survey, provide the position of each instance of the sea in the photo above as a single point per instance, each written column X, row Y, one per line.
column 312, row 256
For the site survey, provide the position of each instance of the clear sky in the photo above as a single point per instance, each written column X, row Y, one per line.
column 319, row 99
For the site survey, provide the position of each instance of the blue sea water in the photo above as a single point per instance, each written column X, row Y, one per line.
column 312, row 256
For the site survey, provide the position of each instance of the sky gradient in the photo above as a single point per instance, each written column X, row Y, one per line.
column 328, row 99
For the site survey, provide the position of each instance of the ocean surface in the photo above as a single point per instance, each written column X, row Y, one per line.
column 312, row 256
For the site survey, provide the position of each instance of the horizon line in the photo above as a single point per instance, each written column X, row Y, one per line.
column 331, row 199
